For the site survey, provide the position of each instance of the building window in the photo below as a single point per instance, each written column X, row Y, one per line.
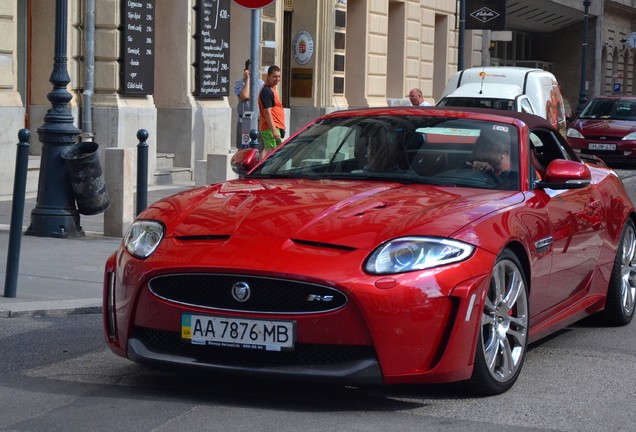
column 269, row 31
column 339, row 46
column 338, row 85
column 339, row 41
column 338, row 63
column 341, row 19
column 270, row 11
column 268, row 36
column 268, row 56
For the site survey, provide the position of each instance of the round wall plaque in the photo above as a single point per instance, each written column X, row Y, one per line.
column 303, row 47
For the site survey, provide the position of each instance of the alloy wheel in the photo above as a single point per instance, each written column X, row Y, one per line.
column 628, row 271
column 504, row 322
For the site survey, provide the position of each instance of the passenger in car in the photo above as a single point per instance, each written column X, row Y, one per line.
column 384, row 154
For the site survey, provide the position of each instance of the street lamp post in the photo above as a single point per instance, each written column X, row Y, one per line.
column 462, row 35
column 55, row 214
column 583, row 90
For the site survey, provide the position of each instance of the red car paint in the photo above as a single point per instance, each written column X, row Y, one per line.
column 421, row 326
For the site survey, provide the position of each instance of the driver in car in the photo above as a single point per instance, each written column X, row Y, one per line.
column 492, row 157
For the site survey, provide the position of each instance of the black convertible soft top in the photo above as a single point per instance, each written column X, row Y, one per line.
column 533, row 121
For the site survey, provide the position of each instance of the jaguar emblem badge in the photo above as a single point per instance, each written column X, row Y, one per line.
column 241, row 291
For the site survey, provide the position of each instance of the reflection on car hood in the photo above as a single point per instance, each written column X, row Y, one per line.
column 356, row 214
column 598, row 127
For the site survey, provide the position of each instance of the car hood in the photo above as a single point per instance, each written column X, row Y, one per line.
column 355, row 214
column 596, row 127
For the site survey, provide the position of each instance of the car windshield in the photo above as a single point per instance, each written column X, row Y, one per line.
column 408, row 149
column 610, row 109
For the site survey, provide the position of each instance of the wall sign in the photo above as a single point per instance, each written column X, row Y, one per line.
column 212, row 67
column 485, row 14
column 302, row 81
column 303, row 47
column 137, row 71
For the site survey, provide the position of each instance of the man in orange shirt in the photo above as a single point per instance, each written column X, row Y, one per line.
column 272, row 116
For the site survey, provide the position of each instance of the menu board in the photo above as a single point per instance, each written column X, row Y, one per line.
column 137, row 70
column 212, row 73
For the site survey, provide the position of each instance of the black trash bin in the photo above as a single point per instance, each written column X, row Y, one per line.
column 86, row 177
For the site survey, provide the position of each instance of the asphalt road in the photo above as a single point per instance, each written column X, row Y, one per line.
column 57, row 375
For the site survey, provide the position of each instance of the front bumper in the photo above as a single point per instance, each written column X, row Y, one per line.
column 417, row 327
column 348, row 364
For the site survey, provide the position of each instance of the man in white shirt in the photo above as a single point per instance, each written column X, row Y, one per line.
column 415, row 96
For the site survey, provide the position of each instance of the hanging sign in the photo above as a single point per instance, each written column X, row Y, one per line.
column 485, row 14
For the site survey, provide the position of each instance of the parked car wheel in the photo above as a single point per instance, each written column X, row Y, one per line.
column 503, row 334
column 621, row 293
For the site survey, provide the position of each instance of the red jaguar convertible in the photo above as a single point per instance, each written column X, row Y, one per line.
column 393, row 245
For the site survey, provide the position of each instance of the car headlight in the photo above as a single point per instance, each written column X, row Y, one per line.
column 143, row 237
column 416, row 253
column 630, row 136
column 573, row 133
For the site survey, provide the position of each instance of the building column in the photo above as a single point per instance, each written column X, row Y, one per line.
column 173, row 75
column 11, row 108
column 117, row 117
column 367, row 45
column 311, row 61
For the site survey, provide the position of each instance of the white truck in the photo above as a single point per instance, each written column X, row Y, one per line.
column 535, row 91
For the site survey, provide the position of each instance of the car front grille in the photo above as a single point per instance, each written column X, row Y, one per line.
column 266, row 295
column 303, row 354
column 603, row 138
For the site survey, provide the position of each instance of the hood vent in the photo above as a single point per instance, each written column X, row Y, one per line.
column 323, row 245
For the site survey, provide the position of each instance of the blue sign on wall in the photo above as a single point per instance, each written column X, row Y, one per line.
column 617, row 87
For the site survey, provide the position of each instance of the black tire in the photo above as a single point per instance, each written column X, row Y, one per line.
column 621, row 292
column 503, row 335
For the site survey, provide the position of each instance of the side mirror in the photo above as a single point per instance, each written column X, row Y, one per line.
column 244, row 160
column 565, row 174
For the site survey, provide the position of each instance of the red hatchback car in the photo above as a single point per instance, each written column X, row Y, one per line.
column 606, row 128
column 393, row 245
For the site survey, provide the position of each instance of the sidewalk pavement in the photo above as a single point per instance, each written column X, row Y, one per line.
column 60, row 276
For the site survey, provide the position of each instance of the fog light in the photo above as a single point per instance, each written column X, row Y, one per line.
column 111, row 322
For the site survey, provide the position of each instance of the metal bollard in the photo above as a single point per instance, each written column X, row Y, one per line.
column 142, row 170
column 254, row 136
column 17, row 213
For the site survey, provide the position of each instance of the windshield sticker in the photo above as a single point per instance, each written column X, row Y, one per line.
column 500, row 128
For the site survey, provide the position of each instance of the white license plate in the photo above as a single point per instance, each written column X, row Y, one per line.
column 598, row 146
column 238, row 332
